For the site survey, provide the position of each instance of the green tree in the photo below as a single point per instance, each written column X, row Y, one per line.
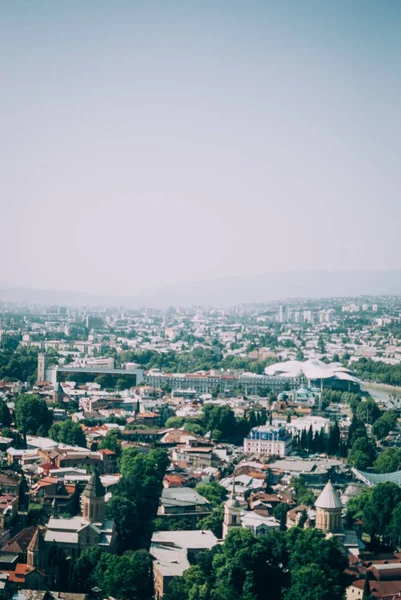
column 368, row 411
column 32, row 415
column 193, row 427
column 388, row 461
column 280, row 513
column 357, row 429
column 378, row 507
column 382, row 427
column 213, row 522
column 5, row 414
column 362, row 453
column 105, row 381
column 215, row 493
column 68, row 432
column 128, row 577
column 175, row 422
column 333, row 446
column 36, row 514
column 112, row 442
column 302, row 494
column 135, row 499
column 239, row 568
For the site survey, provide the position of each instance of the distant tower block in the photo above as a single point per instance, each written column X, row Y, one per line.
column 42, row 366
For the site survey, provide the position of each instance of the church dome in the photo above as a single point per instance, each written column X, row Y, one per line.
column 328, row 499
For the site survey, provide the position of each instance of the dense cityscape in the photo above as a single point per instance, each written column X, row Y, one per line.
column 191, row 453
column 200, row 300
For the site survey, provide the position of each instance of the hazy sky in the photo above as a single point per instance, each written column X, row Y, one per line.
column 151, row 142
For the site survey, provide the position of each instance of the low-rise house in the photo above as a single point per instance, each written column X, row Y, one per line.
column 295, row 514
column 10, row 483
column 183, row 502
column 55, row 494
column 199, row 456
column 8, row 510
column 26, row 576
column 384, row 580
column 19, row 543
column 258, row 524
column 28, row 594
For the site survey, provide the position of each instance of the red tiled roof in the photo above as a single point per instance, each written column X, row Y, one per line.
column 381, row 589
column 20, row 542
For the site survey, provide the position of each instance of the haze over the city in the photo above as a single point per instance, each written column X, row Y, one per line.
column 153, row 143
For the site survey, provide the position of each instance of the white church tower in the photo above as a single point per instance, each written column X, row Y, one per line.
column 232, row 513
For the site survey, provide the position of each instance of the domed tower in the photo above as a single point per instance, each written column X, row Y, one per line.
column 37, row 551
column 232, row 513
column 328, row 510
column 93, row 500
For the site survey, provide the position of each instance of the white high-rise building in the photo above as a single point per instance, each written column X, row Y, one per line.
column 309, row 316
column 283, row 313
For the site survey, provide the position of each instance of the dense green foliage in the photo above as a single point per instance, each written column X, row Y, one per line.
column 112, row 442
column 213, row 522
column 5, row 415
column 36, row 514
column 379, row 508
column 128, row 577
column 302, row 494
column 32, row 415
column 273, row 567
column 362, row 453
column 388, row 461
column 135, row 499
column 17, row 363
column 185, row 362
column 314, row 442
column 68, row 432
column 382, row 427
column 371, row 370
column 213, row 492
column 221, row 422
column 335, row 396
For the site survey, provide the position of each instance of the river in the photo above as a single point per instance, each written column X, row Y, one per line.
column 379, row 391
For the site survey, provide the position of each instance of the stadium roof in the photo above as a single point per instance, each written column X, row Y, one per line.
column 311, row 369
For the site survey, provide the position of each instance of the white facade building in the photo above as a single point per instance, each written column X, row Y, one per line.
column 268, row 440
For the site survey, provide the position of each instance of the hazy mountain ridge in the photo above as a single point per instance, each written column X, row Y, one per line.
column 228, row 291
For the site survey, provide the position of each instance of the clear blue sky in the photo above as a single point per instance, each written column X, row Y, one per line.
column 152, row 142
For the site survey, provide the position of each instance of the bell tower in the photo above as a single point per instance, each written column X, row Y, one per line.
column 93, row 500
column 232, row 513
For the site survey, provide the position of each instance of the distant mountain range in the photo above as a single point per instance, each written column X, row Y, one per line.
column 229, row 291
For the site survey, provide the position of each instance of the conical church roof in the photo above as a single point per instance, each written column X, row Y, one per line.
column 328, row 498
column 94, row 488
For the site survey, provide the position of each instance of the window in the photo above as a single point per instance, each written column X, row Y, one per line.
column 234, row 519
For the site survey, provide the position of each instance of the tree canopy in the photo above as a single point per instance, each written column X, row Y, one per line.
column 68, row 432
column 135, row 499
column 272, row 567
column 32, row 415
